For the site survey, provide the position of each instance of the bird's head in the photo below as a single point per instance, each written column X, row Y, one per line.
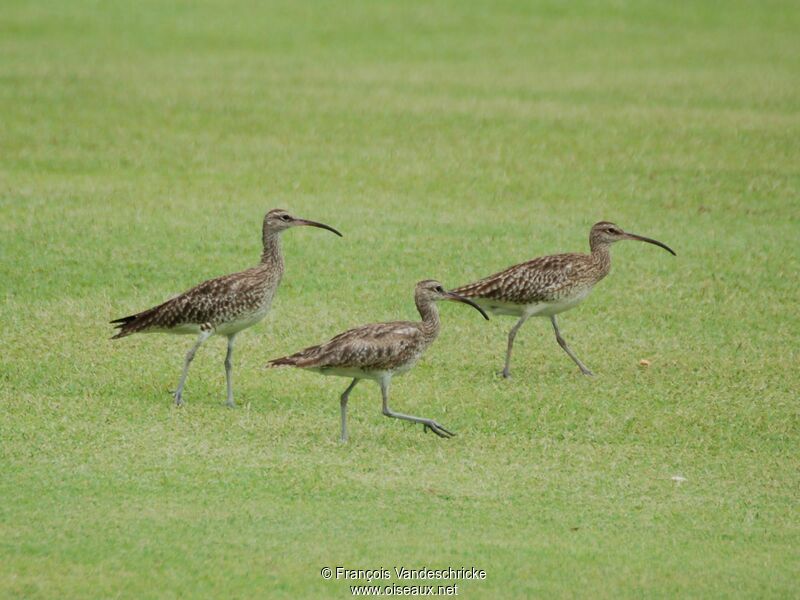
column 605, row 233
column 278, row 220
column 431, row 290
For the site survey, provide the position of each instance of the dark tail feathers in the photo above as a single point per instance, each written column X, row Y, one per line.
column 286, row 361
column 126, row 325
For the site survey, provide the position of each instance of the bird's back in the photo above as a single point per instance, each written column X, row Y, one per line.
column 374, row 347
column 229, row 302
column 544, row 279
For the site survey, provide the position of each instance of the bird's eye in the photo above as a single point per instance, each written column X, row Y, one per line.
column 439, row 289
column 285, row 218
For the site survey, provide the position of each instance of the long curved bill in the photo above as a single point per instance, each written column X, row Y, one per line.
column 457, row 298
column 315, row 224
column 640, row 238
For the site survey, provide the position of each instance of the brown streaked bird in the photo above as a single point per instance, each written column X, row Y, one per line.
column 549, row 285
column 224, row 305
column 379, row 351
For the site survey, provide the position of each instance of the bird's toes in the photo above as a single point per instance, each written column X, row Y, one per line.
column 447, row 432
column 439, row 430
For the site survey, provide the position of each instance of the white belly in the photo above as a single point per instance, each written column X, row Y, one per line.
column 553, row 308
column 243, row 322
column 354, row 373
column 538, row 309
column 500, row 308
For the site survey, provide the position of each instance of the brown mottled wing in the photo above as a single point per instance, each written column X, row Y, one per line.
column 542, row 279
column 212, row 301
column 373, row 347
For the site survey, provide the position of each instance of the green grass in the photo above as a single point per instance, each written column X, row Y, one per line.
column 141, row 145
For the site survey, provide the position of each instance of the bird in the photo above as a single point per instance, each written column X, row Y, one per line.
column 379, row 351
column 224, row 305
column 549, row 285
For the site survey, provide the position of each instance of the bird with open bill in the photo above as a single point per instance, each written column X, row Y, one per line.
column 380, row 351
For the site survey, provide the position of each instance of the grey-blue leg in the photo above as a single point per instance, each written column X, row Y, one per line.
column 204, row 335
column 428, row 423
column 561, row 342
column 229, row 370
column 506, row 372
column 343, row 404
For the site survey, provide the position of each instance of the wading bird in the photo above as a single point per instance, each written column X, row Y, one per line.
column 549, row 285
column 224, row 305
column 379, row 351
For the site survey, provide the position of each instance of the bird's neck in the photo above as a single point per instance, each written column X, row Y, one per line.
column 430, row 317
column 601, row 256
column 271, row 254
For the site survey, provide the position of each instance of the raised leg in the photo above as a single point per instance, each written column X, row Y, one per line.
column 428, row 423
column 506, row 372
column 343, row 403
column 229, row 370
column 204, row 335
column 561, row 342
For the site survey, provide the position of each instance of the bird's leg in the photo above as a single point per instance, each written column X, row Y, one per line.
column 561, row 342
column 343, row 403
column 506, row 372
column 229, row 370
column 427, row 423
column 204, row 335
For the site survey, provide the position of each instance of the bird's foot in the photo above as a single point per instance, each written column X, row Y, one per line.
column 437, row 429
column 505, row 373
column 230, row 404
column 178, row 398
column 586, row 372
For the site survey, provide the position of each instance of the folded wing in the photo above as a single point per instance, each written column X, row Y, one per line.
column 539, row 280
column 371, row 347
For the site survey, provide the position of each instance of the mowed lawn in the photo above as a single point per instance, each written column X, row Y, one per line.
column 142, row 143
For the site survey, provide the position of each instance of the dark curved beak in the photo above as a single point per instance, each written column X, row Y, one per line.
column 457, row 298
column 315, row 224
column 640, row 238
